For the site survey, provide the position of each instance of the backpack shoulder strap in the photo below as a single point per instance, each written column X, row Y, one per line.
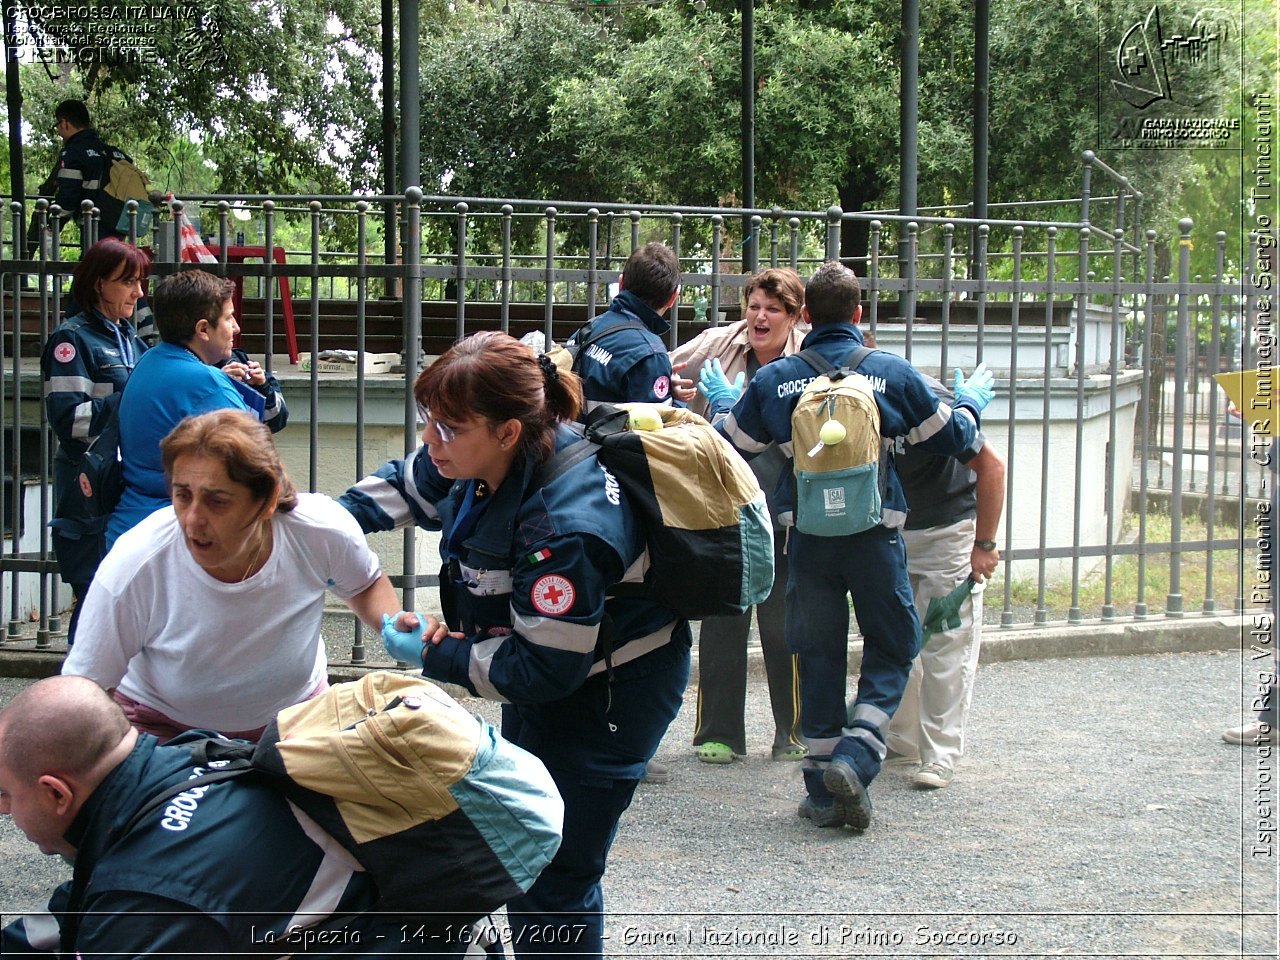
column 562, row 460
column 597, row 334
column 855, row 359
column 820, row 364
column 852, row 362
column 595, row 427
column 233, row 769
column 590, row 332
column 236, row 757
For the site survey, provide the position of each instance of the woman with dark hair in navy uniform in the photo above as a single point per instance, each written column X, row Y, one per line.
column 86, row 362
column 527, row 568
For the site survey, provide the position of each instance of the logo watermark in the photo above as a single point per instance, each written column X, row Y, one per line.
column 1167, row 80
column 116, row 34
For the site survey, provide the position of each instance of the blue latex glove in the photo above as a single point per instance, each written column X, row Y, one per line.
column 979, row 389
column 405, row 647
column 715, row 386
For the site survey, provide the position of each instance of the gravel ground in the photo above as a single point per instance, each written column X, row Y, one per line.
column 1096, row 814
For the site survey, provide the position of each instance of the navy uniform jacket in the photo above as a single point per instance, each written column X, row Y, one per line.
column 629, row 365
column 223, row 869
column 528, row 569
column 83, row 167
column 908, row 408
column 86, row 361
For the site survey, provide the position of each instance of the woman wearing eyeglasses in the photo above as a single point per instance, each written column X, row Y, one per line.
column 527, row 568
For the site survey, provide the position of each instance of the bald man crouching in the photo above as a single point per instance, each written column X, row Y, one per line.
column 73, row 772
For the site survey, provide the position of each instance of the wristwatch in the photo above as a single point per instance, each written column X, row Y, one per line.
column 987, row 545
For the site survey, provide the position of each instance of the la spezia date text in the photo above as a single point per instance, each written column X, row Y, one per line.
column 846, row 935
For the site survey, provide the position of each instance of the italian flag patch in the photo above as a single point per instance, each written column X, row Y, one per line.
column 543, row 554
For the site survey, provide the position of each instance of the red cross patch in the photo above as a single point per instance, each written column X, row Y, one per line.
column 64, row 352
column 552, row 595
column 662, row 387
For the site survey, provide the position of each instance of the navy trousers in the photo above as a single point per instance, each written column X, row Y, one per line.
column 595, row 743
column 870, row 567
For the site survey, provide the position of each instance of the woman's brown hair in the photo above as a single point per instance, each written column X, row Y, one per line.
column 242, row 445
column 495, row 376
column 781, row 283
column 99, row 264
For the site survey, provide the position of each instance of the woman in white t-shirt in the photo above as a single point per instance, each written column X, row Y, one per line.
column 207, row 614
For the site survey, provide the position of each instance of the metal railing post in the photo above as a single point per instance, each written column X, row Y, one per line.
column 550, row 284
column 717, row 237
column 1173, row 603
column 358, row 654
column 948, row 253
column 268, row 287
column 314, row 338
column 1109, row 497
column 1214, row 362
column 1006, row 614
column 593, row 273
column 673, row 316
column 412, row 285
column 1148, row 328
column 1042, row 613
column 460, row 276
column 505, row 280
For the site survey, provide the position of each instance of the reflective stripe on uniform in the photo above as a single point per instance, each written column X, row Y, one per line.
column 478, row 668
column 870, row 713
column 82, row 419
column 411, row 487
column 927, row 428
column 42, row 931
column 556, row 634
column 331, row 879
column 71, row 385
column 637, row 648
column 893, row 519
column 387, row 499
column 740, row 438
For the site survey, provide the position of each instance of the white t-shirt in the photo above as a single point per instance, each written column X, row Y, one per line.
column 214, row 655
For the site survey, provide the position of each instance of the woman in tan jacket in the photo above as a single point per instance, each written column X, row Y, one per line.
column 770, row 328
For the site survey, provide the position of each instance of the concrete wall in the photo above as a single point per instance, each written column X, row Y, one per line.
column 384, row 439
column 28, row 591
column 336, row 466
column 1036, row 447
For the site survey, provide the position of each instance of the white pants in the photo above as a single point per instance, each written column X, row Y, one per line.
column 929, row 723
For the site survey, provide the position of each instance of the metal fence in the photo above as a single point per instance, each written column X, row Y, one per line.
column 1103, row 344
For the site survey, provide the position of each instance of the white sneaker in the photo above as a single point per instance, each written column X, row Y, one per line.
column 1253, row 734
column 933, row 776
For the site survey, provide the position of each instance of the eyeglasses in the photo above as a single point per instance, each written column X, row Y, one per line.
column 447, row 434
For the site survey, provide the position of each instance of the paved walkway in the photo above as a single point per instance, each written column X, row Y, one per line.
column 1097, row 814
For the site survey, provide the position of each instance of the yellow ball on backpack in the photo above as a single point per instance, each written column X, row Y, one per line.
column 644, row 417
column 832, row 432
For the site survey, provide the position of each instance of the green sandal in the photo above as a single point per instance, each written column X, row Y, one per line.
column 713, row 752
column 790, row 751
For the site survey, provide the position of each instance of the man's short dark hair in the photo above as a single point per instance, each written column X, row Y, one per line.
column 74, row 112
column 652, row 273
column 184, row 299
column 832, row 294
